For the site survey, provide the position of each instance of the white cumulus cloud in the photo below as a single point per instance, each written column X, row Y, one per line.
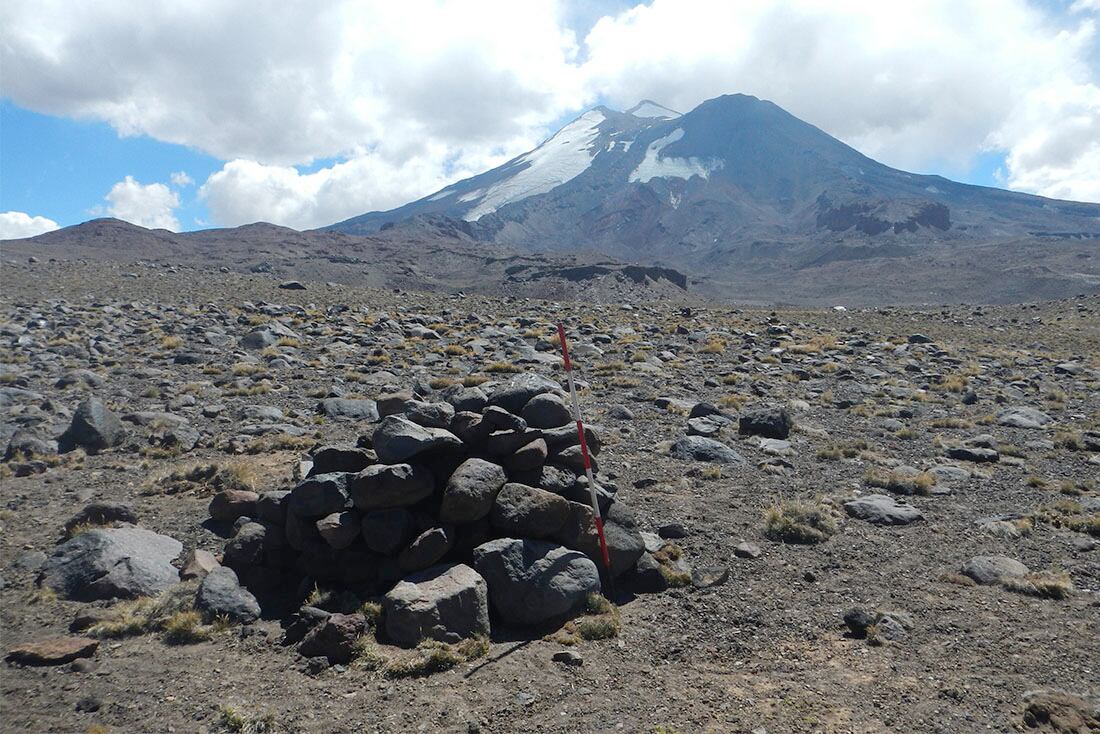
column 181, row 179
column 146, row 205
column 16, row 225
column 406, row 97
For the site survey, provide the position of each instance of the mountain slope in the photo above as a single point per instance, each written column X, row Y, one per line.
column 653, row 185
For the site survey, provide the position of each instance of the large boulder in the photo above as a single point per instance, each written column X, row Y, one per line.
column 881, row 509
column 109, row 563
column 93, row 428
column 398, row 439
column 229, row 504
column 387, row 531
column 770, row 421
column 348, row 409
column 320, row 495
column 1023, row 417
column 382, row 486
column 698, row 448
column 993, row 569
column 526, row 512
column 334, row 638
column 625, row 545
column 546, row 410
column 101, row 513
column 429, row 415
column 446, row 603
column 221, row 595
column 328, row 459
column 533, row 581
column 513, row 395
column 470, row 491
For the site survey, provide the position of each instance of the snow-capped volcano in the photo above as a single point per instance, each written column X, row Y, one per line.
column 715, row 184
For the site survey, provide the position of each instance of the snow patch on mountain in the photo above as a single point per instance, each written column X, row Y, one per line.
column 649, row 108
column 654, row 166
column 562, row 158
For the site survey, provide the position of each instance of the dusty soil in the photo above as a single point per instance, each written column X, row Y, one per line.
column 767, row 651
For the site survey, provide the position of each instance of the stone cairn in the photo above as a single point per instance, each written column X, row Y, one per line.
column 447, row 510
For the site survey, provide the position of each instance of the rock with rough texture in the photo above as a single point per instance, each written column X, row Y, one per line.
column 108, row 563
column 515, row 394
column 328, row 459
column 398, row 439
column 198, row 564
column 882, row 509
column 526, row 512
column 348, row 409
column 770, row 421
column 973, row 453
column 381, row 486
column 229, row 504
column 1023, row 417
column 993, row 569
column 426, row 549
column 94, row 428
column 429, row 415
column 221, row 595
column 546, row 410
column 340, row 529
column 445, row 603
column 387, row 531
column 101, row 513
column 320, row 495
column 334, row 638
column 246, row 547
column 698, row 448
column 53, row 651
column 532, row 581
column 471, row 491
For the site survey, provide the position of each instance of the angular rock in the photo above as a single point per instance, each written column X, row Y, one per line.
column 198, row 564
column 382, row 486
column 1023, row 417
column 881, row 509
column 445, row 603
column 220, row 595
column 398, row 439
column 546, row 410
column 340, row 529
column 229, row 504
column 53, row 651
column 328, row 459
column 272, row 506
column 101, row 513
column 515, row 394
column 94, row 428
column 471, row 491
column 532, row 581
column 770, row 421
column 334, row 638
column 348, row 409
column 698, row 448
column 107, row 563
column 246, row 548
column 320, row 495
column 528, row 457
column 429, row 415
column 969, row 453
column 427, row 549
column 387, row 531
column 527, row 512
column 993, row 569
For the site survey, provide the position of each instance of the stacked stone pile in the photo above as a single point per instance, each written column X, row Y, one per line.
column 449, row 509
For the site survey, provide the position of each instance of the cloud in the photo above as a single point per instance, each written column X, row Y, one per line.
column 406, row 97
column 16, row 225
column 181, row 179
column 146, row 205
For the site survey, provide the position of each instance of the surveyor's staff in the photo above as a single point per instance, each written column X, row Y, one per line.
column 584, row 450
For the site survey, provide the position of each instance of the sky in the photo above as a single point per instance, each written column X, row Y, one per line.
column 217, row 113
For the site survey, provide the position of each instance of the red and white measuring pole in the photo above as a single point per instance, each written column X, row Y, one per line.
column 584, row 450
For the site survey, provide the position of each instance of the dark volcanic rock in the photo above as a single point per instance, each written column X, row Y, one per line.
column 445, row 603
column 107, row 563
column 94, row 428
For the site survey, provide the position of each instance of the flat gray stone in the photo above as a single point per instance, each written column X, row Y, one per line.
column 992, row 569
column 882, row 509
column 108, row 563
column 446, row 603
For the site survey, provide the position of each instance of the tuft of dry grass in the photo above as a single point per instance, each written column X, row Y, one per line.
column 171, row 342
column 435, row 657
column 601, row 621
column 1043, row 584
column 921, row 483
column 502, row 367
column 800, row 522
